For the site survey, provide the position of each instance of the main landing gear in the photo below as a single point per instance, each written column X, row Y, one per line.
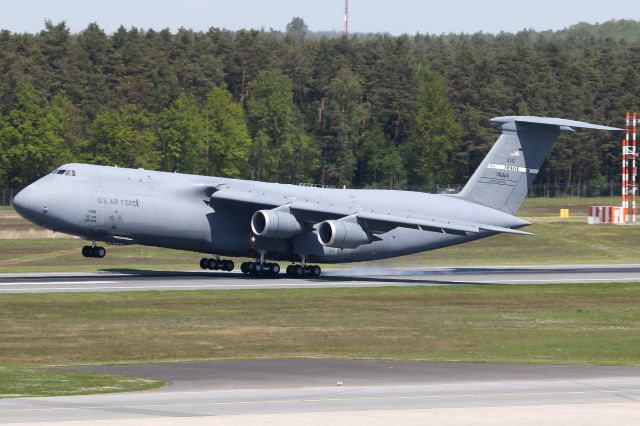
column 94, row 251
column 299, row 271
column 216, row 264
column 303, row 270
column 262, row 269
column 273, row 269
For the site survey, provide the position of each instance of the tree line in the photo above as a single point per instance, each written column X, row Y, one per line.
column 368, row 110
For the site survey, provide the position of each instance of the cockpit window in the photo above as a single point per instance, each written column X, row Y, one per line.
column 64, row 172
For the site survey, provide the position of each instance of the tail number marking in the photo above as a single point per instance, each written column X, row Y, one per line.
column 511, row 168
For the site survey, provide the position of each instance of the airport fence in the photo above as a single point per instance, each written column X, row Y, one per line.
column 6, row 196
column 536, row 190
column 541, row 190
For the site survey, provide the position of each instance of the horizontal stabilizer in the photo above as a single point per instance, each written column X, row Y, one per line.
column 550, row 121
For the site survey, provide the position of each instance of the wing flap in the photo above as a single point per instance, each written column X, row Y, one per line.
column 381, row 223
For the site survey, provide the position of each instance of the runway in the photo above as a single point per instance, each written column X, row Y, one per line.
column 141, row 280
column 289, row 391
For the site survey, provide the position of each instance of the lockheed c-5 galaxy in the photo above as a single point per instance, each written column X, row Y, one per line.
column 300, row 224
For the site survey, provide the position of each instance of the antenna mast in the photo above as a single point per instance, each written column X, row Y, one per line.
column 346, row 17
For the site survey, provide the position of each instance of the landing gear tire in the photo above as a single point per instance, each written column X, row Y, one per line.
column 204, row 263
column 212, row 265
column 315, row 270
column 86, row 251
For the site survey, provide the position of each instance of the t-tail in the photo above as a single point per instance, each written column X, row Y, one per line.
column 503, row 178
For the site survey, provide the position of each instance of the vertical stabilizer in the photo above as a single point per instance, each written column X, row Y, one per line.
column 503, row 178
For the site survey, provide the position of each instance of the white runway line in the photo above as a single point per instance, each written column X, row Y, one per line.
column 133, row 286
column 550, row 281
column 56, row 283
column 319, row 400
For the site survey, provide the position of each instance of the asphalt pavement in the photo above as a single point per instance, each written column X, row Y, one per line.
column 295, row 388
column 140, row 280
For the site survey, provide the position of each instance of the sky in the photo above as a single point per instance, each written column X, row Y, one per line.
column 366, row 16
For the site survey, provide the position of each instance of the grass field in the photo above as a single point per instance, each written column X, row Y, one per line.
column 558, row 241
column 550, row 207
column 594, row 323
column 16, row 382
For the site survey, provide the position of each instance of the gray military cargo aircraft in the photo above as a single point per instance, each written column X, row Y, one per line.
column 300, row 224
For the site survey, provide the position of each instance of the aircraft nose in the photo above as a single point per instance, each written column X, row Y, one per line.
column 26, row 202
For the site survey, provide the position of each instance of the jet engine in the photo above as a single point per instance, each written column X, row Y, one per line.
column 342, row 234
column 275, row 224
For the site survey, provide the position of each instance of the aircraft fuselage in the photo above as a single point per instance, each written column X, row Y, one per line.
column 173, row 210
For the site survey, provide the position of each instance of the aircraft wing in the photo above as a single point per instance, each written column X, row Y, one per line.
column 247, row 198
column 380, row 223
column 312, row 213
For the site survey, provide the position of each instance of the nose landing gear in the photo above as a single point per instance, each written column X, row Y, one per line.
column 94, row 251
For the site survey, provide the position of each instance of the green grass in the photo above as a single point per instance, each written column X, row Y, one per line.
column 63, row 254
column 566, row 242
column 550, row 207
column 23, row 382
column 591, row 324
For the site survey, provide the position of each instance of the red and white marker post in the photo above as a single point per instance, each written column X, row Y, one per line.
column 634, row 188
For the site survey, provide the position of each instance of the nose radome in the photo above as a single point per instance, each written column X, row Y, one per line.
column 25, row 202
column 19, row 201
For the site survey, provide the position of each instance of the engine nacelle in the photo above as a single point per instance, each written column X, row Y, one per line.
column 342, row 234
column 275, row 224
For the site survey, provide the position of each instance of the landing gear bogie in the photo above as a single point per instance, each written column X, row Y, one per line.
column 299, row 271
column 260, row 269
column 94, row 251
column 216, row 264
